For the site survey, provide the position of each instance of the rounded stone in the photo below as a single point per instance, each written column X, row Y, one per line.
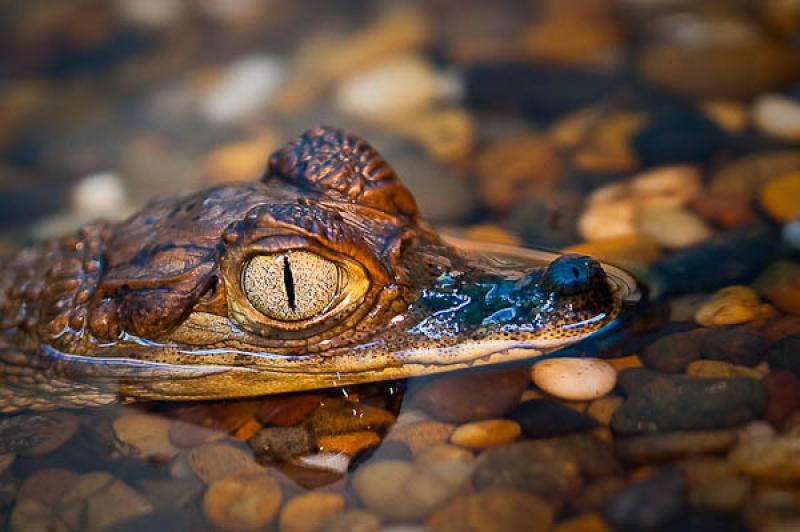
column 214, row 461
column 544, row 417
column 780, row 197
column 281, row 443
column 603, row 409
column 421, row 435
column 97, row 501
column 536, row 467
column 48, row 432
column 473, row 395
column 145, row 436
column 652, row 448
column 673, row 353
column 244, row 88
column 494, row 510
column 719, row 368
column 442, row 194
column 744, row 345
column 730, row 306
column 309, row 510
column 387, row 91
column 486, row 433
column 672, row 227
column 716, row 66
column 773, row 460
column 574, row 379
column 666, row 186
column 783, row 392
column 518, row 165
column 780, row 284
column 785, row 354
column 248, row 500
column 415, row 489
column 352, row 521
column 649, row 503
column 687, row 403
column 791, row 233
column 100, row 194
column 777, row 116
column 743, row 177
column 349, row 443
column 608, row 220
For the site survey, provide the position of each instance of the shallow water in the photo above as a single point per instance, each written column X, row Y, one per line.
column 657, row 136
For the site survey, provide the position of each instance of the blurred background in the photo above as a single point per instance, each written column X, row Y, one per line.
column 660, row 135
column 501, row 116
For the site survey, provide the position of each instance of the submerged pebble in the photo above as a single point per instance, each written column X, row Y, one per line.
column 730, row 306
column 785, row 354
column 574, row 379
column 416, row 488
column 544, row 417
column 538, row 467
column 486, row 433
column 653, row 448
column 473, row 395
column 145, row 436
column 780, row 284
column 672, row 227
column 494, row 510
column 777, row 116
column 774, row 459
column 687, row 403
column 248, row 500
column 649, row 503
column 309, row 510
column 98, row 501
column 243, row 89
column 780, row 197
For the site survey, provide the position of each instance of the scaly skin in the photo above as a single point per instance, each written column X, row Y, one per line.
column 154, row 307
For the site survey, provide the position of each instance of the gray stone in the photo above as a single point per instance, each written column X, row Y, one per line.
column 687, row 403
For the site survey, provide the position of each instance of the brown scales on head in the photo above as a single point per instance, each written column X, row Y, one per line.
column 321, row 274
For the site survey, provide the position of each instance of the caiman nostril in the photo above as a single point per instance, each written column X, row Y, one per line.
column 571, row 274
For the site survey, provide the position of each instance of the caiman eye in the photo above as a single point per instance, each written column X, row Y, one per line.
column 292, row 286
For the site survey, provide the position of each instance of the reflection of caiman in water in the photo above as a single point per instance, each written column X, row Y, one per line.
column 322, row 274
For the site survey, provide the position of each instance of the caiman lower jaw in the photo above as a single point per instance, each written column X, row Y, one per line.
column 283, row 378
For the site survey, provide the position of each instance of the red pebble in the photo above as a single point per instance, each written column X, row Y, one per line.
column 783, row 392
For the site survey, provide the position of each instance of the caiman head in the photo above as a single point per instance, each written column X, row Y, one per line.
column 322, row 274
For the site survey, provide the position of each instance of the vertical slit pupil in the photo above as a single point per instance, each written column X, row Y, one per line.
column 288, row 281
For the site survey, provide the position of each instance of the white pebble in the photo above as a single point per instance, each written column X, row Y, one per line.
column 791, row 233
column 608, row 219
column 574, row 379
column 151, row 13
column 672, row 227
column 99, row 194
column 394, row 88
column 667, row 186
column 245, row 88
column 777, row 116
column 337, row 462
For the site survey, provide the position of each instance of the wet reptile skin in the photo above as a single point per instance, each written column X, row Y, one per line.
column 154, row 307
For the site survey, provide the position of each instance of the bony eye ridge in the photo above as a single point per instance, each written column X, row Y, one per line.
column 295, row 285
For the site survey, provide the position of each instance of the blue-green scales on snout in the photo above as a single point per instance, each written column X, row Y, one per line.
column 320, row 274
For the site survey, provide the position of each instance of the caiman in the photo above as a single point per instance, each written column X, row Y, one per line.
column 320, row 274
